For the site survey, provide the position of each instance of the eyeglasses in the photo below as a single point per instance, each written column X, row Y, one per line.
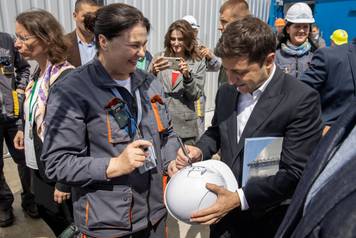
column 23, row 39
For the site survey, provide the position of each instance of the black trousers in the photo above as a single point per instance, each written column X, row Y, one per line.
column 57, row 216
column 247, row 224
column 7, row 133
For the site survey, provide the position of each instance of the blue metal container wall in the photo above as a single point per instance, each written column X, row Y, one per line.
column 343, row 14
column 161, row 14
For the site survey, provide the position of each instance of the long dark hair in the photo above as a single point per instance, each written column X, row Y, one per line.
column 284, row 37
column 190, row 42
column 47, row 29
column 113, row 19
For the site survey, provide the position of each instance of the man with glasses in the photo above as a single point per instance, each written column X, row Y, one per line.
column 14, row 72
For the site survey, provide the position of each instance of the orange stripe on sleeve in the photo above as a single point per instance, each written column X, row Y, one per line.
column 108, row 126
column 87, row 213
column 157, row 117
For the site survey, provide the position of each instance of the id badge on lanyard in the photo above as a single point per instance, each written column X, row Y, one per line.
column 151, row 159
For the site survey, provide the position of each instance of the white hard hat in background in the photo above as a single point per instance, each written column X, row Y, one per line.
column 186, row 191
column 300, row 13
column 192, row 21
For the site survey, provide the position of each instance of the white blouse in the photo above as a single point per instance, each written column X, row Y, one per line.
column 28, row 134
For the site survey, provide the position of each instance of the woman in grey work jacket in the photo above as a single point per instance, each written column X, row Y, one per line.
column 108, row 132
column 295, row 48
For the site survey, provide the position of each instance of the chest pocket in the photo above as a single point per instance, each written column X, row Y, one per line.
column 157, row 123
column 115, row 134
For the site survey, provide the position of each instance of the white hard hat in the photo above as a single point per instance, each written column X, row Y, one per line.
column 300, row 13
column 192, row 21
column 186, row 191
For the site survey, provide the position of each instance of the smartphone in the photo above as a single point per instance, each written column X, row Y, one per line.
column 173, row 62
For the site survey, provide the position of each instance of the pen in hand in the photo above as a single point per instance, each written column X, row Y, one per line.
column 186, row 153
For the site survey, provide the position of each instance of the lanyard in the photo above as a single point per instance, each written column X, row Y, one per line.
column 138, row 102
column 32, row 105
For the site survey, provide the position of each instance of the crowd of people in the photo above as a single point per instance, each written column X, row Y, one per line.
column 103, row 120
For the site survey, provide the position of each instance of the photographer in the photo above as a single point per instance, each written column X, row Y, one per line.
column 185, row 84
column 14, row 73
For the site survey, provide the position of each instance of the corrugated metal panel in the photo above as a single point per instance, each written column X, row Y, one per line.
column 61, row 9
column 160, row 12
column 260, row 8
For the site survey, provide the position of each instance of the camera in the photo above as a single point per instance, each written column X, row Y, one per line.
column 6, row 65
column 173, row 62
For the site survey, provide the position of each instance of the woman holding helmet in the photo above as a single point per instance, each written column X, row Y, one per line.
column 295, row 49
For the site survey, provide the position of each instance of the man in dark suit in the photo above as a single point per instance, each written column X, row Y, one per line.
column 259, row 101
column 332, row 72
column 324, row 202
column 82, row 42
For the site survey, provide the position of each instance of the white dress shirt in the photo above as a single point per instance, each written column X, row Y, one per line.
column 87, row 51
column 245, row 106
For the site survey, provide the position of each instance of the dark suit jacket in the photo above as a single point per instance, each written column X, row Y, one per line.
column 286, row 108
column 333, row 212
column 73, row 54
column 332, row 72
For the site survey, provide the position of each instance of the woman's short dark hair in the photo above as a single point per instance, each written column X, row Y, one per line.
column 249, row 37
column 46, row 28
column 284, row 37
column 113, row 19
column 190, row 42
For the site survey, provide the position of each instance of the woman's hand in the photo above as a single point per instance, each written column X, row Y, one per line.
column 159, row 64
column 59, row 196
column 19, row 141
column 205, row 52
column 132, row 157
column 184, row 68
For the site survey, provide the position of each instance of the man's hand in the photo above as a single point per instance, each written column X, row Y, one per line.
column 59, row 196
column 194, row 153
column 225, row 202
column 131, row 158
column 19, row 141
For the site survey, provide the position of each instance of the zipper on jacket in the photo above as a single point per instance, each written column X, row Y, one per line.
column 296, row 67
